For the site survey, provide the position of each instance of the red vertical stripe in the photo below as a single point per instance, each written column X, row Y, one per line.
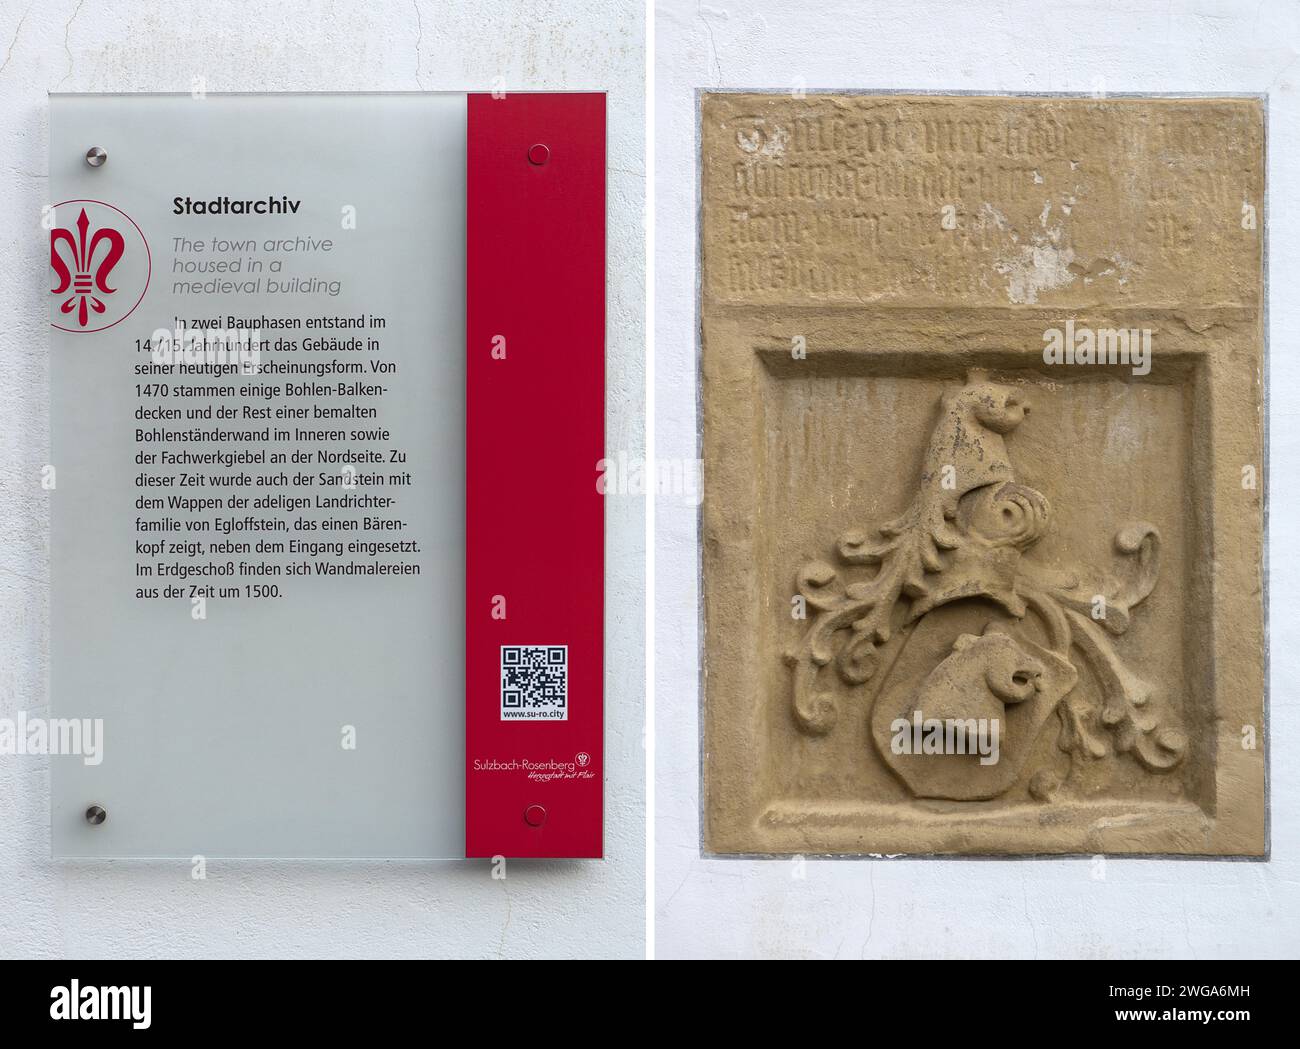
column 535, row 420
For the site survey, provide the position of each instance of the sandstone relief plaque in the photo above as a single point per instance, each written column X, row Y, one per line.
column 984, row 475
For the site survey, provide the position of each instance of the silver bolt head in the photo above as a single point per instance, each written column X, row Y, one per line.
column 95, row 156
column 95, row 815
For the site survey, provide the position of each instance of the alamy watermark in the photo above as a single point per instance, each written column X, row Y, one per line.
column 29, row 735
column 222, row 351
column 632, row 475
column 922, row 735
column 1084, row 345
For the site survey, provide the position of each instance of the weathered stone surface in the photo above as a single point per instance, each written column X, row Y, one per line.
column 920, row 511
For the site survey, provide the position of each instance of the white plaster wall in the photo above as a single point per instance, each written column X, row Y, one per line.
column 973, row 909
column 542, row 909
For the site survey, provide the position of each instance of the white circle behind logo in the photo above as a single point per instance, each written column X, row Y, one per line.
column 100, row 265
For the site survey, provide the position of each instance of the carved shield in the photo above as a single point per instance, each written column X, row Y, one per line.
column 973, row 671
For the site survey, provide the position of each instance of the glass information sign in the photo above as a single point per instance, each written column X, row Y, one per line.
column 259, row 487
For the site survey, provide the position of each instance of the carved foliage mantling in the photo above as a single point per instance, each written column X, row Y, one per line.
column 965, row 536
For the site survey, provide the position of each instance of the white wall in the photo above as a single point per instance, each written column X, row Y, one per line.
column 972, row 908
column 314, row 909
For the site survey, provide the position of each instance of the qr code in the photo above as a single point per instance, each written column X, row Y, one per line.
column 534, row 682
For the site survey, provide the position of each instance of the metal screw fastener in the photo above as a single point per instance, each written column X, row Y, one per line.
column 95, row 815
column 534, row 815
column 96, row 157
column 539, row 154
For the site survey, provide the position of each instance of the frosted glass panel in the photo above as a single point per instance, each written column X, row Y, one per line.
column 257, row 542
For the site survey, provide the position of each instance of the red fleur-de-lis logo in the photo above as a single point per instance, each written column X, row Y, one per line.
column 83, row 272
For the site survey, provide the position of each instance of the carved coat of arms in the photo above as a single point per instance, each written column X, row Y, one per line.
column 968, row 536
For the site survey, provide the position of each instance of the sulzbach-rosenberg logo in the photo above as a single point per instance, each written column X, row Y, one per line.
column 101, row 263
